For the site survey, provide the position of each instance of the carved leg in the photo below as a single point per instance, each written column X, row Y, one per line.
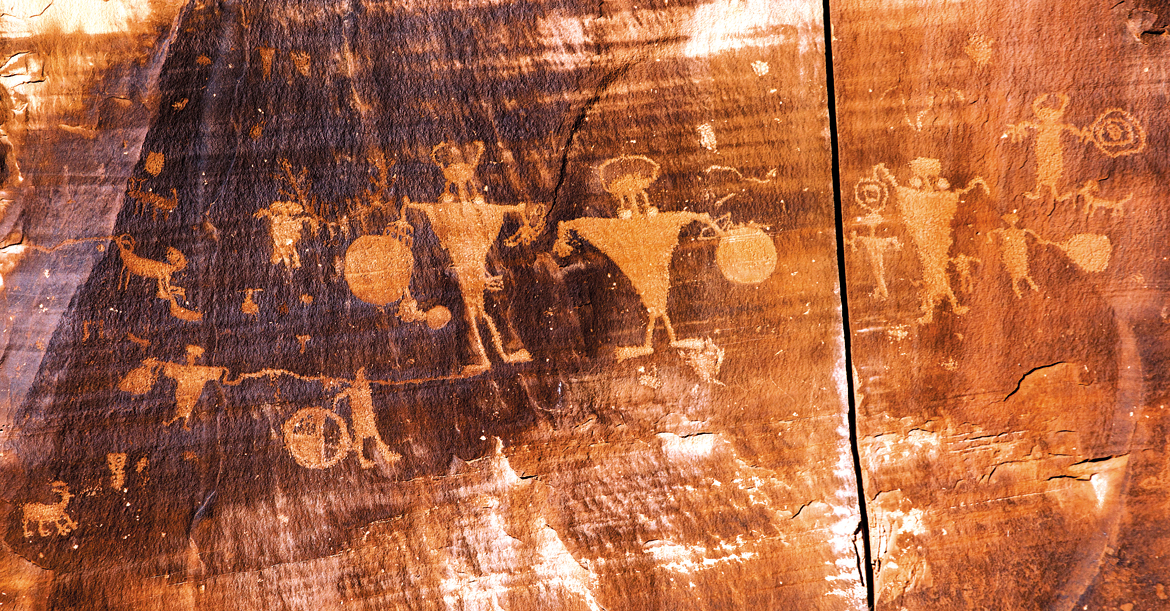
column 629, row 352
column 519, row 356
column 683, row 344
column 477, row 344
column 27, row 532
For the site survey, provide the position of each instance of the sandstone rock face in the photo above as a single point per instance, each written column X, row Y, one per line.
column 485, row 306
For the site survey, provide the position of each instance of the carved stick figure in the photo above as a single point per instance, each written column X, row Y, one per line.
column 1014, row 252
column 928, row 208
column 1049, row 143
column 286, row 222
column 361, row 410
column 875, row 250
column 189, row 382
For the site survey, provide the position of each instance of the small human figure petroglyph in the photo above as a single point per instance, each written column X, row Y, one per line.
column 872, row 195
column 1013, row 244
column 46, row 515
column 361, row 411
column 250, row 307
column 286, row 221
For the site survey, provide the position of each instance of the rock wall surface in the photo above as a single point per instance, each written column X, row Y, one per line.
column 488, row 305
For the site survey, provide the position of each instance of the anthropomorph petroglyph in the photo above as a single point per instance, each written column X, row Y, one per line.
column 1115, row 133
column 928, row 207
column 467, row 228
column 1013, row 251
column 160, row 272
column 250, row 307
column 46, row 515
column 872, row 195
column 286, row 221
column 189, row 378
column 117, row 463
column 458, row 164
column 361, row 410
column 1090, row 252
column 641, row 242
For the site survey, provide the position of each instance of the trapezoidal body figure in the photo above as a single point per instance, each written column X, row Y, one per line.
column 642, row 241
column 467, row 227
column 928, row 207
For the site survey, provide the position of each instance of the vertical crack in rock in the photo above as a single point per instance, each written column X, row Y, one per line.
column 847, row 470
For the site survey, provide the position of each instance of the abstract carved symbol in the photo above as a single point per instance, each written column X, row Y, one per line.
column 378, row 268
column 154, row 163
column 627, row 179
column 1117, row 133
column 928, row 207
column 159, row 271
column 316, row 437
column 746, row 255
column 979, row 48
column 50, row 515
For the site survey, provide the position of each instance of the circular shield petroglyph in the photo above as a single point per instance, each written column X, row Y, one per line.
column 871, row 194
column 316, row 437
column 377, row 268
column 746, row 255
column 1117, row 133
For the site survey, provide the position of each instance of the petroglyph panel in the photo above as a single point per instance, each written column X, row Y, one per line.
column 1007, row 338
column 459, row 306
